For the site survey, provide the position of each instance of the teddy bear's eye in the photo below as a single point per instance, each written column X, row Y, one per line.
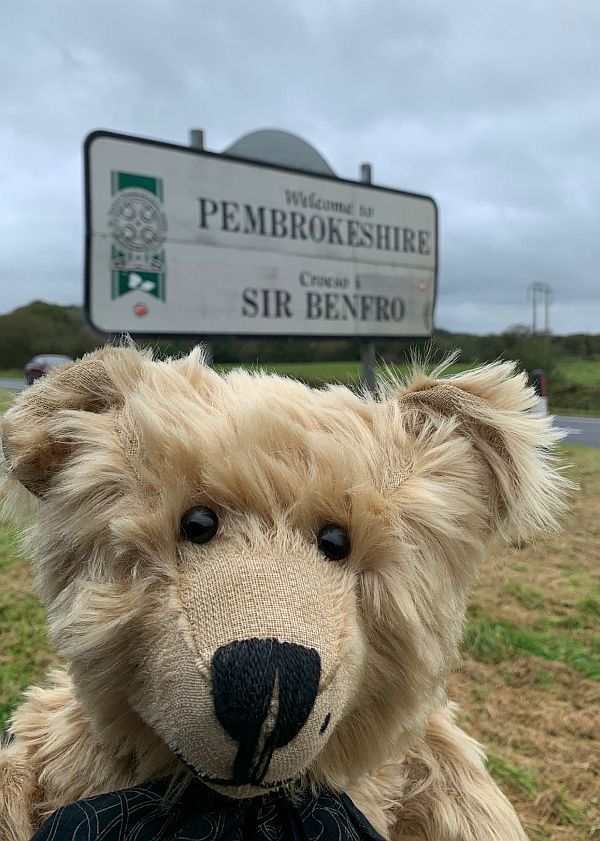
column 334, row 543
column 199, row 525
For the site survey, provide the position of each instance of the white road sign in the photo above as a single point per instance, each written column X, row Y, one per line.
column 183, row 242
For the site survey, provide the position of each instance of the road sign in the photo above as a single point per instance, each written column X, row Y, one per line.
column 187, row 242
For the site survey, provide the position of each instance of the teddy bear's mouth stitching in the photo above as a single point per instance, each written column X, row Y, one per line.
column 206, row 778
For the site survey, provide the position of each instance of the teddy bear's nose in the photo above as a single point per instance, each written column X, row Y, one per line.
column 264, row 691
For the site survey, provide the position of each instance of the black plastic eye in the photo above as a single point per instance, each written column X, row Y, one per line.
column 334, row 543
column 199, row 525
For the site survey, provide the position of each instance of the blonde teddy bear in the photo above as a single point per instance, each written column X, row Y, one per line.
column 260, row 588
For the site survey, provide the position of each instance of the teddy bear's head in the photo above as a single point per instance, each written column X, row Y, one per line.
column 267, row 579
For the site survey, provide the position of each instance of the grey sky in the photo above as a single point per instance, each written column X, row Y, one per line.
column 493, row 108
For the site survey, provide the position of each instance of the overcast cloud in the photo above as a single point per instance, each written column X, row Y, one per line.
column 493, row 108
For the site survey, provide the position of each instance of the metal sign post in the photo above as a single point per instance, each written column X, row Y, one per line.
column 197, row 142
column 367, row 349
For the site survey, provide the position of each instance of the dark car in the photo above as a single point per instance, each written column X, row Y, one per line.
column 39, row 366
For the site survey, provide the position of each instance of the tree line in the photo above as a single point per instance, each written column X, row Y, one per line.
column 40, row 327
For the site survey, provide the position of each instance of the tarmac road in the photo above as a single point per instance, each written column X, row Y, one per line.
column 585, row 431
column 12, row 385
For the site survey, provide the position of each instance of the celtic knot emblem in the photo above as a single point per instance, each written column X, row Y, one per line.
column 138, row 225
column 137, row 222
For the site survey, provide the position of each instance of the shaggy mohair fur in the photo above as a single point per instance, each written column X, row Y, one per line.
column 116, row 447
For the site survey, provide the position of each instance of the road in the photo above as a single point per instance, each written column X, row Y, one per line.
column 585, row 431
column 12, row 385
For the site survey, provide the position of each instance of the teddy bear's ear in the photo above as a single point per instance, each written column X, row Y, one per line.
column 32, row 445
column 492, row 406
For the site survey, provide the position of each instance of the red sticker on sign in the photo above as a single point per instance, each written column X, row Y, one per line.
column 140, row 310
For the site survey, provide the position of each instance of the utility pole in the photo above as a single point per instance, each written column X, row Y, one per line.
column 540, row 294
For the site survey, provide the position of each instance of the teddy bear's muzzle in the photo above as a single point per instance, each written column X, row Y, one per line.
column 249, row 672
column 250, row 718
column 264, row 691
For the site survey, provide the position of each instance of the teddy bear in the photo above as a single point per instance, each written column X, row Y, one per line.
column 262, row 585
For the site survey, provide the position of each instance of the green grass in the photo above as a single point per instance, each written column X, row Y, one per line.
column 566, row 623
column 590, row 607
column 321, row 372
column 566, row 812
column 6, row 398
column 8, row 548
column 580, row 371
column 11, row 373
column 543, row 677
column 577, row 391
column 495, row 641
column 325, row 371
column 506, row 775
column 24, row 655
column 23, row 638
column 574, row 411
column 527, row 597
column 24, row 649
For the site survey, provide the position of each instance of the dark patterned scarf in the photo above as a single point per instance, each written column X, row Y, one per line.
column 199, row 814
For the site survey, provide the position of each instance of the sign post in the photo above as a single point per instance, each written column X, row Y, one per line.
column 367, row 349
column 185, row 242
column 197, row 142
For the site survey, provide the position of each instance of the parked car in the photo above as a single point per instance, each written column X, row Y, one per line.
column 39, row 366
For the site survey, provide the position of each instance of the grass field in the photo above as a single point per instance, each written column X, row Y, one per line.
column 581, row 371
column 5, row 399
column 577, row 390
column 529, row 686
column 24, row 654
column 336, row 371
column 530, row 682
column 575, row 370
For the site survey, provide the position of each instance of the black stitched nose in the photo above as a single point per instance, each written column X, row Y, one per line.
column 264, row 691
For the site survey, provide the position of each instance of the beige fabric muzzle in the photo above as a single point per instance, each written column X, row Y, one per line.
column 255, row 669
